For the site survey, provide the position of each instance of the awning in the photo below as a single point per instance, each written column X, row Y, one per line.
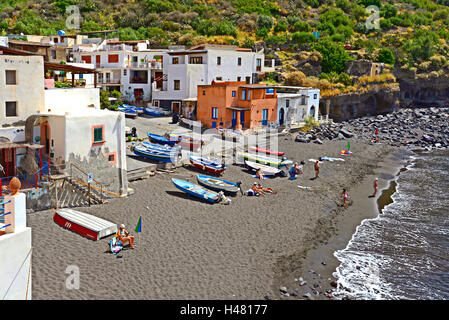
column 238, row 108
column 190, row 100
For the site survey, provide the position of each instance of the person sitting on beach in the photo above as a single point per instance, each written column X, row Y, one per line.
column 295, row 170
column 224, row 199
column 317, row 169
column 268, row 190
column 345, row 196
column 122, row 235
column 256, row 190
column 259, row 174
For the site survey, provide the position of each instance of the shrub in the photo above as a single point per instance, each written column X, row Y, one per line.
column 302, row 26
column 280, row 27
column 386, row 56
column 335, row 57
column 265, row 22
column 303, row 37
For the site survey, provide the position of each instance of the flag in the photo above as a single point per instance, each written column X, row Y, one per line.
column 349, row 146
column 377, row 132
column 139, row 225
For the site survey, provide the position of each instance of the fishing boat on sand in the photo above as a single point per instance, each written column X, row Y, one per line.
column 186, row 141
column 155, row 138
column 155, row 146
column 158, row 155
column 218, row 184
column 274, row 162
column 266, row 170
column 85, row 224
column 131, row 113
column 138, row 110
column 155, row 112
column 196, row 191
column 207, row 164
column 267, row 151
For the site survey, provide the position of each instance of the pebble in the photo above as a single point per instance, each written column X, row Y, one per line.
column 303, row 283
column 323, row 263
column 267, row 298
column 286, row 295
column 334, row 284
column 283, row 289
column 294, row 294
column 307, row 295
column 300, row 279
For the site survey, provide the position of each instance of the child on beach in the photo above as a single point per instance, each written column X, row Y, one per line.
column 345, row 196
column 259, row 174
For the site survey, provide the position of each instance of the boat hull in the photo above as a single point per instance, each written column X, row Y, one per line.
column 273, row 162
column 266, row 170
column 154, row 154
column 267, row 151
column 155, row 138
column 211, row 167
column 196, row 191
column 218, row 184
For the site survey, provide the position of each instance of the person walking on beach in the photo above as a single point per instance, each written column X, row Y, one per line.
column 345, row 196
column 376, row 184
column 317, row 169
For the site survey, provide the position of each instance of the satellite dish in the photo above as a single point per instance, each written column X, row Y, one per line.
column 61, row 33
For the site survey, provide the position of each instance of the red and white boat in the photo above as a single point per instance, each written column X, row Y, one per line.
column 207, row 164
column 85, row 224
column 267, row 151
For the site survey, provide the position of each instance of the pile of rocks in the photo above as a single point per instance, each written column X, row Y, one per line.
column 423, row 128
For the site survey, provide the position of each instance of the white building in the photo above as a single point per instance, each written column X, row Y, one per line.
column 15, row 249
column 184, row 70
column 125, row 68
column 296, row 104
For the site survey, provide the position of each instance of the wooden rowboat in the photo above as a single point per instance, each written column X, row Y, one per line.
column 218, row 184
column 85, row 224
column 186, row 141
column 161, row 140
column 207, row 164
column 158, row 155
column 196, row 191
column 266, row 170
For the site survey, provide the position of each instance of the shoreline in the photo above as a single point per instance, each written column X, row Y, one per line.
column 318, row 265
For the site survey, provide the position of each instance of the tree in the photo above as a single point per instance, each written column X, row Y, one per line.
column 335, row 57
column 302, row 26
column 386, row 56
column 265, row 22
column 303, row 37
column 104, row 99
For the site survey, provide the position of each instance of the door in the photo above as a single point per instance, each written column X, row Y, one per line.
column 242, row 118
column 138, row 94
column 234, row 118
column 176, row 107
column 214, row 124
column 312, row 111
column 98, row 61
column 281, row 117
column 159, row 77
column 7, row 162
column 45, row 137
column 264, row 117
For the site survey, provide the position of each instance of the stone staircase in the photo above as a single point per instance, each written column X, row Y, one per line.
column 74, row 194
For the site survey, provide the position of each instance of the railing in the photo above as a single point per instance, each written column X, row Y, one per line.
column 28, row 181
column 109, row 81
column 101, row 188
column 3, row 213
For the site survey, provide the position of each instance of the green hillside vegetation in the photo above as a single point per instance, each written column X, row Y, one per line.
column 412, row 35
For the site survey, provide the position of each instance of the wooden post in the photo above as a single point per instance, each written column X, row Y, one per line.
column 56, row 193
column 95, row 79
column 89, row 193
column 73, row 79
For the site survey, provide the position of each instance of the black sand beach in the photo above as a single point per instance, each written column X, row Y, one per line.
column 189, row 249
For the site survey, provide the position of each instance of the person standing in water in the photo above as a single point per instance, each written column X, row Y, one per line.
column 376, row 185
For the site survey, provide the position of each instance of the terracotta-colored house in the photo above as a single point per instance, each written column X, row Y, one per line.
column 236, row 105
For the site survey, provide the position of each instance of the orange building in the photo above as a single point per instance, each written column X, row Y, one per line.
column 236, row 105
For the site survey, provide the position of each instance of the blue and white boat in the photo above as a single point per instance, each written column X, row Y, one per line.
column 207, row 164
column 154, row 112
column 196, row 191
column 218, row 184
column 128, row 111
column 155, row 138
column 159, row 147
column 138, row 110
column 154, row 154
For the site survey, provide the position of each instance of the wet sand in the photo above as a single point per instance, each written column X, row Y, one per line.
column 189, row 249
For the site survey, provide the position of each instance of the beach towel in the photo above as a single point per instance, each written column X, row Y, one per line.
column 331, row 159
column 314, row 160
column 115, row 246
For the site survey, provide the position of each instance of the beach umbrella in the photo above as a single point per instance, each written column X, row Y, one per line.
column 138, row 229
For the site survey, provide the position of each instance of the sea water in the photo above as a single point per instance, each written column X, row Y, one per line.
column 404, row 252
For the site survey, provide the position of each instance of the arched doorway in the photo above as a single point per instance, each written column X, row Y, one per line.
column 281, row 117
column 312, row 111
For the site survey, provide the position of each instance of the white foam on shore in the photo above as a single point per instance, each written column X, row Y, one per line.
column 359, row 273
